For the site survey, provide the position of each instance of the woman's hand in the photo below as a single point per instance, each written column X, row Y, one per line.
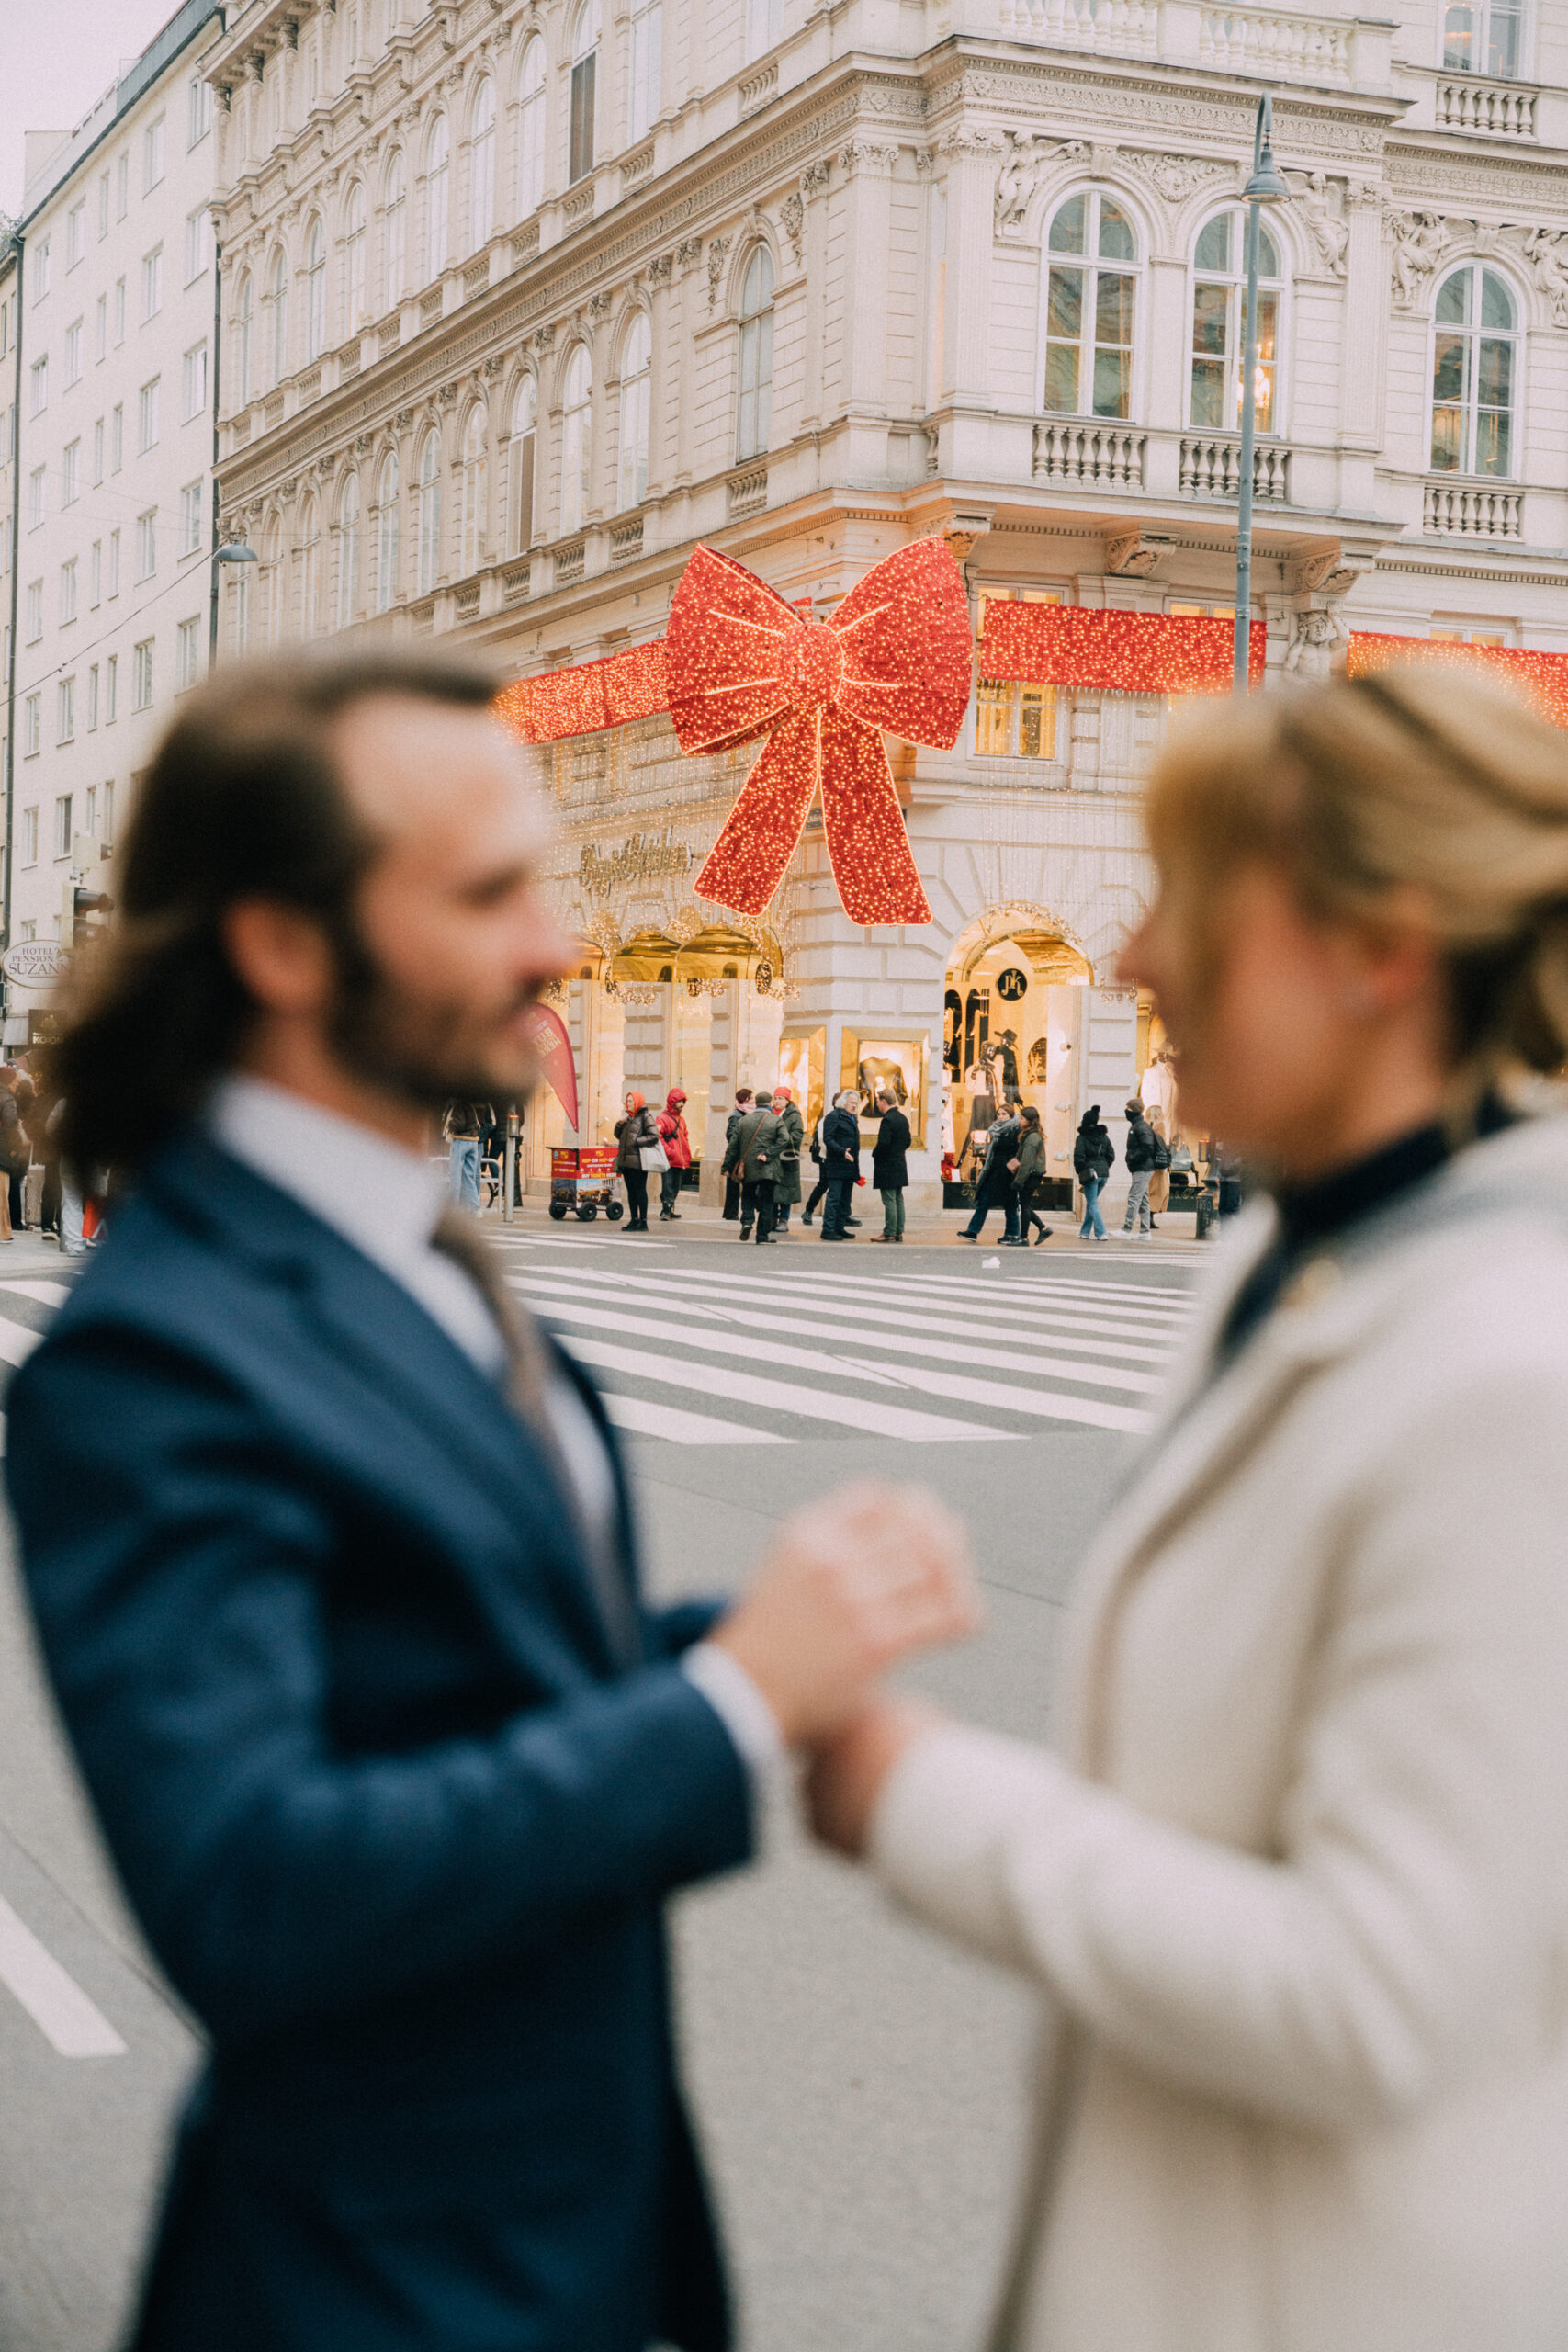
column 849, row 1772
column 854, row 1583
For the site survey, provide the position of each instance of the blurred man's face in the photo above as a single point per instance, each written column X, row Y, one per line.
column 452, row 937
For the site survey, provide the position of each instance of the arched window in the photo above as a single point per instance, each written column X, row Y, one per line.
column 481, row 166
column 271, row 570
column 354, row 255
column 240, row 345
column 315, row 290
column 277, row 320
column 522, row 444
column 397, row 229
column 531, row 127
column 428, row 553
column 348, row 553
column 386, row 532
column 584, row 72
column 438, row 199
column 755, row 421
column 1219, row 299
column 476, row 488
column 1090, row 303
column 1481, row 37
column 577, row 440
column 310, row 569
column 646, row 31
column 637, row 367
column 1474, row 373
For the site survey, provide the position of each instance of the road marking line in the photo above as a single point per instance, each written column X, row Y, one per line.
column 47, row 1293
column 54, row 2001
column 682, row 1429
column 17, row 1341
column 783, row 1395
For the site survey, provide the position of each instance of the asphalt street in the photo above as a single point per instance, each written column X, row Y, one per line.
column 861, row 2089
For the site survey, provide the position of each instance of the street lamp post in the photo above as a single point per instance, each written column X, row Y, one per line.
column 1267, row 186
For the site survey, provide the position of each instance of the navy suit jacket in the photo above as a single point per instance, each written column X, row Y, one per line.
column 395, row 1824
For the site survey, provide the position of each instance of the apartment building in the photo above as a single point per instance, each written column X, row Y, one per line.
column 527, row 297
column 111, row 300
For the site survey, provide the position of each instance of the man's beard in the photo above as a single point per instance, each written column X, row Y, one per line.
column 409, row 1045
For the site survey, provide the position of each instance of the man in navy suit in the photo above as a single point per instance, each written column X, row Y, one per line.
column 334, row 1567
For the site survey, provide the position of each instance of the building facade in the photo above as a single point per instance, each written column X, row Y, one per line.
column 111, row 293
column 524, row 299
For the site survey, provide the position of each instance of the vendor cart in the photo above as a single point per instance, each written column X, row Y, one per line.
column 584, row 1181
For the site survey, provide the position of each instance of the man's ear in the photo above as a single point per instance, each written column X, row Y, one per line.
column 281, row 954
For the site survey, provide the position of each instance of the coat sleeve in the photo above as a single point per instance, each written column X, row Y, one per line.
column 1343, row 1978
column 179, row 1578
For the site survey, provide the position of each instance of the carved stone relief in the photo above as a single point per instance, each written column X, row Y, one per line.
column 1025, row 161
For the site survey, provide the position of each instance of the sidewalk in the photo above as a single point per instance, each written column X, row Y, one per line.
column 943, row 1230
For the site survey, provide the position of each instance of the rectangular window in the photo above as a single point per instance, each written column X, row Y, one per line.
column 198, row 111
column 111, row 692
column 70, row 473
column 105, row 810
column 122, row 185
column 147, row 415
column 29, row 816
column 580, row 151
column 190, row 518
column 95, row 574
column 152, row 283
column 41, row 269
column 117, row 438
column 193, row 381
column 37, row 380
column 153, row 156
column 8, row 434
column 73, row 352
column 33, row 622
column 90, row 812
column 98, row 451
column 65, row 732
column 199, row 242
column 91, row 698
column 62, row 806
column 4, row 329
column 75, row 233
column 187, row 654
column 32, row 739
column 101, row 328
column 114, row 563
column 68, row 590
column 36, row 481
column 118, row 311
column 147, row 544
column 1012, row 721
column 142, row 675
column 103, row 206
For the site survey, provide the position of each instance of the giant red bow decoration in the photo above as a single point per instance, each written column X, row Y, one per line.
column 739, row 662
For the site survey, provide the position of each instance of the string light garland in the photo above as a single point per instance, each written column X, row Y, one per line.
column 1542, row 676
column 588, row 697
column 739, row 662
column 1117, row 653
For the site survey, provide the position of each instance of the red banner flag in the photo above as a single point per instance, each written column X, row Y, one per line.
column 552, row 1048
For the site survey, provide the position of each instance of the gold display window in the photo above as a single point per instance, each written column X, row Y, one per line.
column 870, row 1060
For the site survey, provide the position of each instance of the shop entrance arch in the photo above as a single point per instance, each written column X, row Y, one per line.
column 1009, row 1023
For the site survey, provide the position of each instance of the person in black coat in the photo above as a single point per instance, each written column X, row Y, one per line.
column 840, row 1164
column 1094, row 1157
column 996, row 1189
column 890, row 1169
column 1143, row 1158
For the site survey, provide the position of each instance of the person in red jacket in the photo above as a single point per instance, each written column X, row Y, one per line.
column 677, row 1150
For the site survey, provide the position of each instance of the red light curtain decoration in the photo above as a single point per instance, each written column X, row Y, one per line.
column 588, row 697
column 741, row 663
column 1118, row 654
column 1542, row 676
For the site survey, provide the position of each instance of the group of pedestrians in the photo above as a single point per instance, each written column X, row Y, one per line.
column 1010, row 1178
column 30, row 1138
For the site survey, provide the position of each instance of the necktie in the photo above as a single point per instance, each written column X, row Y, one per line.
column 458, row 1238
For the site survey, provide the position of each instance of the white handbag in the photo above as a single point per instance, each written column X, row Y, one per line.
column 655, row 1159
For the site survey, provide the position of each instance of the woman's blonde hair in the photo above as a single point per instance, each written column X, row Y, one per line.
column 1368, row 790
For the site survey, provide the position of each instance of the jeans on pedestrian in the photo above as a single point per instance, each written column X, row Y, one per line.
column 757, row 1204
column 17, row 1184
column 1138, row 1201
column 1093, row 1223
column 668, row 1186
column 1004, row 1197
column 463, row 1170
column 73, row 1242
column 840, row 1190
column 892, row 1211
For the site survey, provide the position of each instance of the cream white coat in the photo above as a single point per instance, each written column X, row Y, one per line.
column 1296, row 1881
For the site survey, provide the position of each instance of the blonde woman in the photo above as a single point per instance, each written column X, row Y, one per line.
column 1294, row 1880
column 1159, row 1178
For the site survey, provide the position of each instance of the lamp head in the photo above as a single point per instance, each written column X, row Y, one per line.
column 1267, row 184
column 235, row 551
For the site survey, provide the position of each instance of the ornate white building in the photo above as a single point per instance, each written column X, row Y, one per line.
column 523, row 300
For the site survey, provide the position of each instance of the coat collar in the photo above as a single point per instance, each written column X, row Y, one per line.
column 371, row 1322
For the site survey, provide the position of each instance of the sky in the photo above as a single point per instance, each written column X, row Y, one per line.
column 59, row 56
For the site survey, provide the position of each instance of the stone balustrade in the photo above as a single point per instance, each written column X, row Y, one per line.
column 1211, row 468
column 1499, row 110
column 1108, row 454
column 1472, row 511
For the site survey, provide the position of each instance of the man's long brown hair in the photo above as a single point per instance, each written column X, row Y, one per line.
column 243, row 800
